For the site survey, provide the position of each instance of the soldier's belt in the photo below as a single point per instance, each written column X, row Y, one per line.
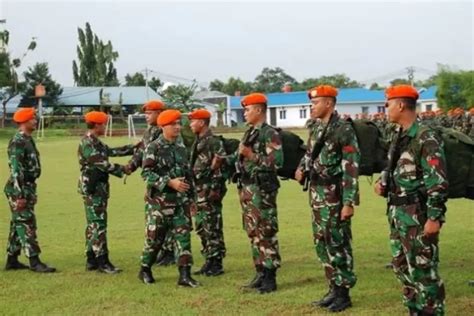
column 396, row 200
column 315, row 180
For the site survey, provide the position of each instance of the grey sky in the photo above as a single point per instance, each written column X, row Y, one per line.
column 365, row 40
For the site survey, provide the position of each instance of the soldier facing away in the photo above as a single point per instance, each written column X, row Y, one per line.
column 333, row 158
column 415, row 185
column 169, row 199
column 152, row 109
column 20, row 190
column 93, row 185
column 210, row 191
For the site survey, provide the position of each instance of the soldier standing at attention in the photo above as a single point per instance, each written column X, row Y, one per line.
column 210, row 190
column 93, row 185
column 416, row 190
column 169, row 199
column 152, row 109
column 333, row 156
column 20, row 189
column 259, row 157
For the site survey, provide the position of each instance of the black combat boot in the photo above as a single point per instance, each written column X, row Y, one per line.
column 105, row 266
column 145, row 275
column 257, row 280
column 165, row 258
column 327, row 299
column 14, row 264
column 204, row 269
column 216, row 267
column 269, row 281
column 185, row 278
column 413, row 312
column 342, row 300
column 91, row 263
column 37, row 266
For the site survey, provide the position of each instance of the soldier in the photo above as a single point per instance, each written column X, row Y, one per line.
column 471, row 123
column 169, row 199
column 259, row 157
column 152, row 109
column 210, row 191
column 416, row 192
column 93, row 185
column 20, row 190
column 333, row 156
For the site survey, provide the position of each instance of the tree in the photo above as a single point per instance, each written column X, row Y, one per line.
column 232, row 86
column 375, row 86
column 455, row 88
column 272, row 80
column 155, row 83
column 9, row 84
column 399, row 81
column 95, row 64
column 216, row 85
column 336, row 80
column 138, row 80
column 180, row 96
column 35, row 75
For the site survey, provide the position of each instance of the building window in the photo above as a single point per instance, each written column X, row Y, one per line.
column 381, row 109
column 302, row 113
column 365, row 110
column 282, row 114
column 429, row 107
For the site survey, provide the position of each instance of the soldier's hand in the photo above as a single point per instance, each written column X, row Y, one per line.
column 20, row 205
column 379, row 189
column 246, row 151
column 299, row 175
column 127, row 170
column 178, row 184
column 216, row 162
column 347, row 212
column 431, row 227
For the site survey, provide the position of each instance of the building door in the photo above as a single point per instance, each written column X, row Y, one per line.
column 273, row 116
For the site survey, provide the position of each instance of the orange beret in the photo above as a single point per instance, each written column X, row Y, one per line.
column 401, row 91
column 24, row 115
column 471, row 110
column 322, row 91
column 253, row 98
column 96, row 117
column 154, row 105
column 199, row 114
column 167, row 117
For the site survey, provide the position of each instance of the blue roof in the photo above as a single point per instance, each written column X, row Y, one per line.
column 346, row 95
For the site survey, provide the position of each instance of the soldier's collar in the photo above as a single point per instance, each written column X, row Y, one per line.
column 412, row 130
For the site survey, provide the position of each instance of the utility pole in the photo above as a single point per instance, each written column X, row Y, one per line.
column 146, row 84
column 411, row 75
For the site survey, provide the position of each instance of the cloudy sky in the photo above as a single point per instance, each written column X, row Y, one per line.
column 369, row 41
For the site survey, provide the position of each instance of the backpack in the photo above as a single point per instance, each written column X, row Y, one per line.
column 459, row 153
column 373, row 151
column 293, row 150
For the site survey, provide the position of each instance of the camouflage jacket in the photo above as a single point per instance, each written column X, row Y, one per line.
column 95, row 166
column 421, row 168
column 162, row 161
column 24, row 163
column 268, row 152
column 203, row 151
column 339, row 157
column 151, row 133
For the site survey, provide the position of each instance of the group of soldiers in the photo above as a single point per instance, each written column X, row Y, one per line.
column 179, row 186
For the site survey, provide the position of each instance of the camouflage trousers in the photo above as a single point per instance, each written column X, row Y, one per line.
column 260, row 221
column 96, row 227
column 332, row 237
column 209, row 227
column 23, row 228
column 158, row 222
column 415, row 260
column 168, row 244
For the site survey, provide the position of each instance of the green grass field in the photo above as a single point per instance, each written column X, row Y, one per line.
column 61, row 222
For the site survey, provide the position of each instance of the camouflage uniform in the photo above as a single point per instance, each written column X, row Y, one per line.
column 471, row 126
column 25, row 168
column 166, row 208
column 334, row 183
column 258, row 191
column 210, row 191
column 417, row 192
column 93, row 185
